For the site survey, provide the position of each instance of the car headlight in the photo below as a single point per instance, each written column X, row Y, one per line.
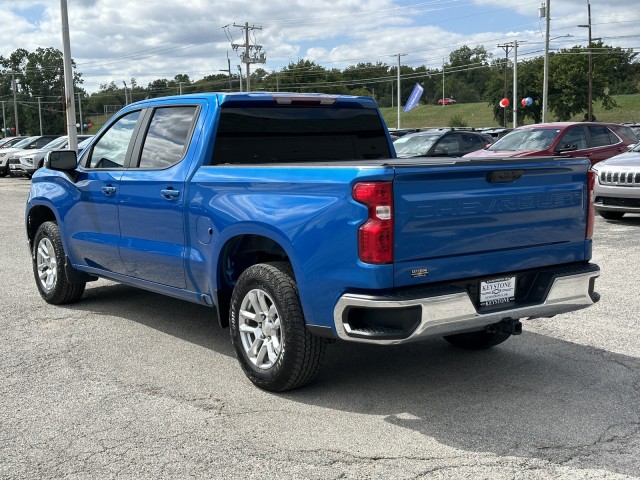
column 3, row 154
column 27, row 161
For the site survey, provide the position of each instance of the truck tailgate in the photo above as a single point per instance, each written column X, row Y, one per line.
column 475, row 218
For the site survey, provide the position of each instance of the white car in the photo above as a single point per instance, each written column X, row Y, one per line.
column 26, row 162
column 617, row 187
column 26, row 144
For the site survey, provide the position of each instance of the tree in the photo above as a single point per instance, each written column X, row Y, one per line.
column 39, row 75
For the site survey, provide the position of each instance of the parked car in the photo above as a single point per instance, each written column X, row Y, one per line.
column 617, row 186
column 401, row 132
column 10, row 141
column 442, row 142
column 26, row 162
column 635, row 127
column 446, row 101
column 29, row 143
column 596, row 141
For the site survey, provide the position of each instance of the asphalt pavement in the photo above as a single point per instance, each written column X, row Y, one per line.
column 130, row 384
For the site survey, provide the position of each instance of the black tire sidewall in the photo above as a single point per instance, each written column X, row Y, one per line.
column 63, row 291
column 262, row 277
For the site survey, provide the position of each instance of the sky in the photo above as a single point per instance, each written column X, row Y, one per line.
column 116, row 40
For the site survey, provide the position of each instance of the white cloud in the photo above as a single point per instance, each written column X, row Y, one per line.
column 113, row 40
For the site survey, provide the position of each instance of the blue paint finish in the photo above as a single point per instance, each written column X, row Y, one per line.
column 450, row 221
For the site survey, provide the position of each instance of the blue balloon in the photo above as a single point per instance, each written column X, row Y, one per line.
column 529, row 101
column 85, row 126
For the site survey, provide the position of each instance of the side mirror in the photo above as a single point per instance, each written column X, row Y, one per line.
column 63, row 160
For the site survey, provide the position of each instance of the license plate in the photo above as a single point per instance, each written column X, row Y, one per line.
column 497, row 291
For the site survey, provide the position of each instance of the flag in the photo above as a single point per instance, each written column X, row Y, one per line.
column 416, row 93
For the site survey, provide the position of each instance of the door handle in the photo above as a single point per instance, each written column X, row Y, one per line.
column 108, row 190
column 170, row 193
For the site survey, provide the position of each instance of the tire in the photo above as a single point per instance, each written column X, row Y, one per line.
column 611, row 215
column 276, row 351
column 48, row 260
column 477, row 340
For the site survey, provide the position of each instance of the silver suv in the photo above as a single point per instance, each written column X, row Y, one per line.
column 617, row 187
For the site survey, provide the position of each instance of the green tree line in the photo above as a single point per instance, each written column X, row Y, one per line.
column 468, row 75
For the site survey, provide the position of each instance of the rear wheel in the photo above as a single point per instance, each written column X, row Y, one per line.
column 611, row 215
column 48, row 259
column 268, row 330
column 477, row 340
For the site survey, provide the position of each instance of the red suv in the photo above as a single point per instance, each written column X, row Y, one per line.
column 596, row 141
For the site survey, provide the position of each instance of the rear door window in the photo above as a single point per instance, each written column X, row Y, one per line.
column 168, row 136
column 599, row 136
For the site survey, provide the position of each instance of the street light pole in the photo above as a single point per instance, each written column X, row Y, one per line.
column 399, row 55
column 590, row 101
column 545, row 74
column 68, row 79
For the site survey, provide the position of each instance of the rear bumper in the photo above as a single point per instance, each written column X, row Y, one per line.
column 447, row 309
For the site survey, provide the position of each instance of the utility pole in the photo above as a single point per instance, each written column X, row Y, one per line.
column 248, row 57
column 228, row 70
column 590, row 106
column 39, row 113
column 180, row 87
column 515, row 84
column 125, row 93
column 4, row 121
column 443, row 82
column 68, row 79
column 15, row 103
column 506, row 47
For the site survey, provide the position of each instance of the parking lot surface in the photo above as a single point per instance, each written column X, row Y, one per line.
column 129, row 384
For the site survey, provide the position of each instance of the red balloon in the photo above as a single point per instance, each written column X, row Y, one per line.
column 13, row 129
column 90, row 125
column 523, row 102
column 504, row 102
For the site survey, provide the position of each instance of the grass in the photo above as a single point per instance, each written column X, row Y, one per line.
column 481, row 115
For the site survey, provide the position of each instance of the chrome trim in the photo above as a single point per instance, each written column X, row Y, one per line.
column 454, row 312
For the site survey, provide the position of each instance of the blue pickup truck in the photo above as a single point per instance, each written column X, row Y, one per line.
column 290, row 215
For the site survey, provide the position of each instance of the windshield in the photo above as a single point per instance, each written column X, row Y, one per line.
column 414, row 145
column 24, row 142
column 526, row 139
column 57, row 143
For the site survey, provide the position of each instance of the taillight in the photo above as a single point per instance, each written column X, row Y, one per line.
column 375, row 236
column 591, row 211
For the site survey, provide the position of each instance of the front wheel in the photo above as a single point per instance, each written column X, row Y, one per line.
column 268, row 330
column 611, row 215
column 48, row 259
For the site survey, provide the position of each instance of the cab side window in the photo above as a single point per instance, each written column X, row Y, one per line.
column 599, row 136
column 167, row 137
column 111, row 150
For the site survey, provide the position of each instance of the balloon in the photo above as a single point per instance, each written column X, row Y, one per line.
column 85, row 126
column 523, row 102
column 529, row 101
column 89, row 125
column 504, row 102
column 13, row 129
column 77, row 125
